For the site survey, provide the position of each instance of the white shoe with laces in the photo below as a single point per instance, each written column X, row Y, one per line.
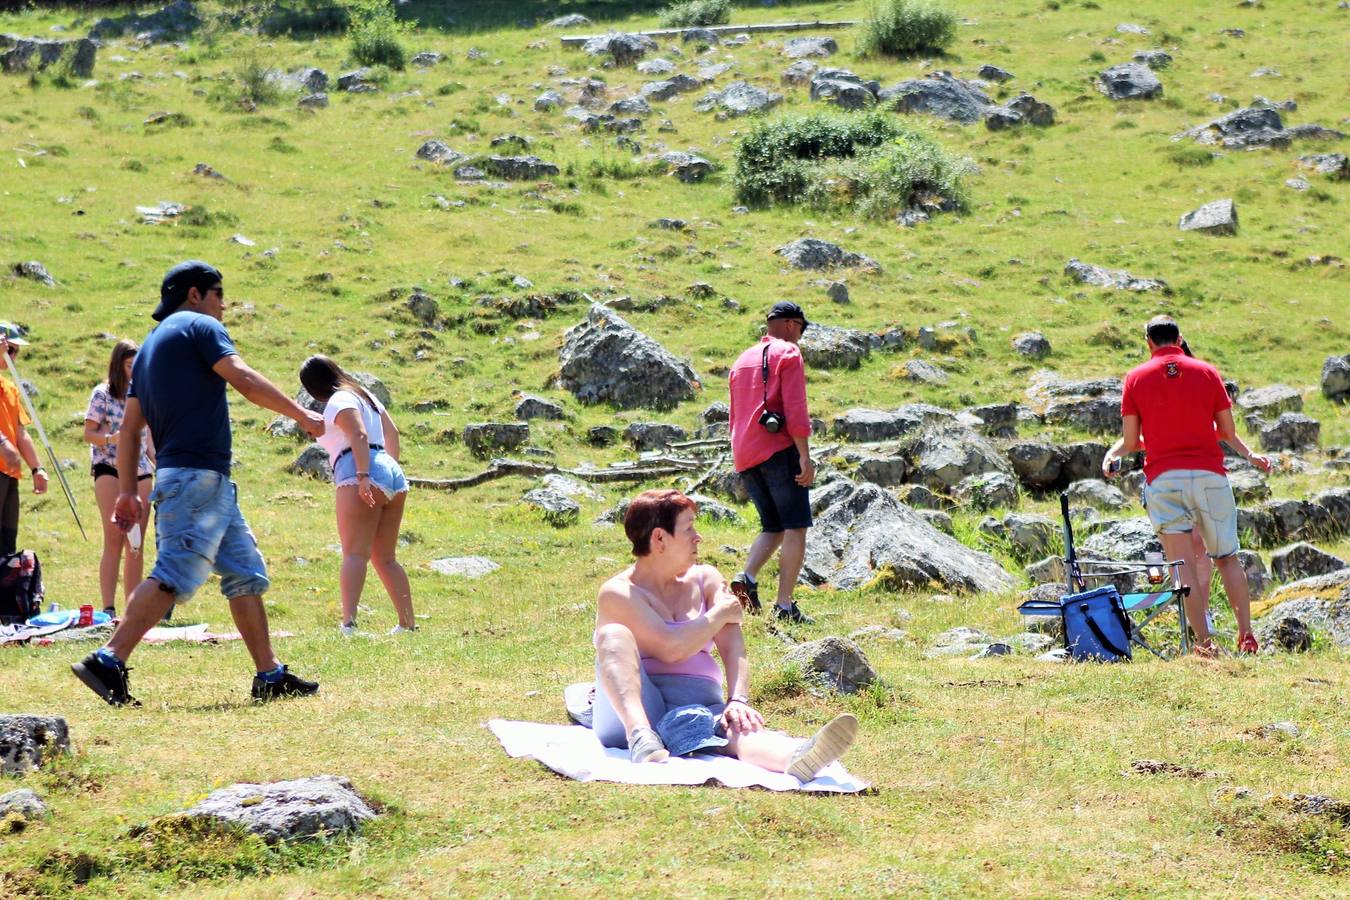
column 399, row 629
column 348, row 629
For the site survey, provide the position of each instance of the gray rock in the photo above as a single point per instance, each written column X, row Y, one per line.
column 993, row 419
column 313, row 101
column 943, row 456
column 1084, row 460
column 998, row 648
column 717, row 411
column 987, row 491
column 1098, row 494
column 637, row 106
column 958, row 641
column 439, row 153
column 1303, row 560
column 994, row 73
column 701, row 36
column 1217, row 217
column 569, row 487
column 310, row 80
column 1040, row 466
column 288, row 810
column 870, row 425
column 559, row 509
column 1099, row 415
column 1283, row 632
column 484, row 439
column 572, row 20
column 1021, row 110
column 671, row 87
column 624, row 49
column 937, row 518
column 532, row 407
column 656, row 66
column 606, row 360
column 1128, row 28
column 1270, row 401
column 1128, row 540
column 866, row 534
column 938, row 94
column 1288, row 520
column 878, row 633
column 1129, row 81
column 313, row 462
column 925, row 372
column 1031, row 344
column 738, row 99
column 1291, row 431
column 602, row 435
column 921, row 498
column 831, row 347
column 1336, row 378
column 837, row 291
column 1117, row 279
column 27, row 742
column 33, row 271
column 1253, row 127
column 1336, row 501
column 177, row 19
column 24, row 804
column 885, row 471
column 424, row 308
column 427, row 58
column 1266, row 103
column 1154, row 59
column 1333, row 165
column 653, row 435
column 799, row 73
column 835, row 663
column 714, row 510
column 357, row 78
column 519, row 168
column 548, row 100
column 1029, row 536
column 689, row 168
column 813, row 253
column 19, row 54
column 1258, row 579
column 464, row 566
column 804, row 47
column 1248, row 484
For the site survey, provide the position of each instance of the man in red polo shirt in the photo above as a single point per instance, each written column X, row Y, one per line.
column 770, row 428
column 1177, row 406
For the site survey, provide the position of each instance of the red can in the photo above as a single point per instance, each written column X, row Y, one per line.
column 86, row 616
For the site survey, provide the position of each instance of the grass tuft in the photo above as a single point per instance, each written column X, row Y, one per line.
column 906, row 28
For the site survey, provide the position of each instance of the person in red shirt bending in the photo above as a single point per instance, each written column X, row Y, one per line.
column 770, row 429
column 1177, row 406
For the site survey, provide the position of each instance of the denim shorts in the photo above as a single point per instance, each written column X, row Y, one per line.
column 783, row 504
column 659, row 693
column 385, row 472
column 198, row 529
column 1183, row 500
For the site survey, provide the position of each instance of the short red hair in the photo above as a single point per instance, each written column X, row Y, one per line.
column 651, row 510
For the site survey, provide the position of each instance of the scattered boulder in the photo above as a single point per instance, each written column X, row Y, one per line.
column 1154, row 59
column 637, row 106
column 959, row 641
column 1336, row 378
column 559, row 509
column 1258, row 579
column 33, row 271
column 844, row 89
column 464, row 566
column 833, row 662
column 653, row 435
column 548, row 100
column 803, row 47
column 484, row 439
column 1039, row 465
column 995, row 419
column 1097, row 493
column 1270, row 401
column 938, row 94
column 925, row 372
column 313, row 101
column 987, row 491
column 356, row 81
column 20, row 53
column 799, row 73
column 569, row 487
column 714, row 510
column 1117, row 279
column 672, row 87
column 1248, row 484
column 313, row 462
column 1126, row 540
column 994, row 73
column 738, row 99
column 424, row 308
column 656, row 66
column 689, row 168
column 866, row 536
column 602, row 435
column 1023, row 109
column 1099, row 415
column 310, row 80
column 701, row 36
column 870, row 425
column 1031, row 344
column 571, row 20
column 26, row 742
column 1029, row 536
column 1217, row 217
column 288, row 810
column 606, row 360
column 624, row 49
column 23, row 804
column 943, row 456
column 1333, row 165
column 831, row 347
column 519, row 168
column 1303, row 560
column 813, row 253
column 878, row 469
column 1336, row 501
column 1291, row 431
column 1283, row 632
column 439, row 153
column 1084, row 460
column 172, row 21
column 532, row 407
column 1129, row 81
column 1253, row 127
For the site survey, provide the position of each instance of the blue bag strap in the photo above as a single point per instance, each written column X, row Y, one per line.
column 1101, row 636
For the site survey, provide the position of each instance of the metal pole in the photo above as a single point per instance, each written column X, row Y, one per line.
column 42, row 436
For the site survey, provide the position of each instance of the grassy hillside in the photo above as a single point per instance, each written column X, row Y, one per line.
column 994, row 777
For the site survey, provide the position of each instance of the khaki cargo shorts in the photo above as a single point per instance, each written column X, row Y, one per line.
column 1183, row 500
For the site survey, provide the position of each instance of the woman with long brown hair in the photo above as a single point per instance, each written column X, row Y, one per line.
column 363, row 449
column 102, row 424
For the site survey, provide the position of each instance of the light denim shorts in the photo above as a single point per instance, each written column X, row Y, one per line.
column 659, row 694
column 1183, row 500
column 385, row 472
column 198, row 529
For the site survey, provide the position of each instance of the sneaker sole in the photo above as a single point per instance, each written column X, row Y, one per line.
column 95, row 684
column 742, row 592
column 830, row 743
column 657, row 756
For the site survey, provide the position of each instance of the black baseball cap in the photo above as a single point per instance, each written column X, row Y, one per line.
column 173, row 291
column 787, row 310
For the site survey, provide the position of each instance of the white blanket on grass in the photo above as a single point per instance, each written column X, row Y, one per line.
column 577, row 753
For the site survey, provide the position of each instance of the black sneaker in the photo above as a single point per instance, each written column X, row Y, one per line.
column 746, row 591
column 290, row 685
column 109, row 682
column 792, row 615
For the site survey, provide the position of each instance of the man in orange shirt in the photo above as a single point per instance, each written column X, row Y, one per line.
column 16, row 447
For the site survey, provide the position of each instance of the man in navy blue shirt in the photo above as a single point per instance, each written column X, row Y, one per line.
column 178, row 389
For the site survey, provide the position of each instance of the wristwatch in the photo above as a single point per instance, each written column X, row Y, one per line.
column 738, row 698
column 39, row 469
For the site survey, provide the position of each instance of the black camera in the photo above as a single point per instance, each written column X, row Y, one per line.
column 773, row 422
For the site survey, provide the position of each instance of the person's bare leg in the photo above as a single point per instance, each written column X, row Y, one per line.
column 1204, row 566
column 147, row 606
column 384, row 557
column 250, row 617
column 790, row 563
column 356, row 529
column 618, row 667
column 1178, row 546
column 105, row 492
column 1239, row 595
column 770, row 750
column 761, row 551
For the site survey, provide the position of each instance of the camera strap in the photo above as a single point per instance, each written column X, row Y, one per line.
column 764, row 370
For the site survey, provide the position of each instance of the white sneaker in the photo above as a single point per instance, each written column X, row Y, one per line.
column 348, row 630
column 826, row 746
column 399, row 629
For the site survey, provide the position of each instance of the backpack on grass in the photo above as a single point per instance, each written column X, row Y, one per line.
column 20, row 587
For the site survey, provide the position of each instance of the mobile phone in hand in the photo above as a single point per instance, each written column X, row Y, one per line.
column 134, row 538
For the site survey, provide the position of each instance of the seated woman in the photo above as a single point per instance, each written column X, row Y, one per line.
column 656, row 625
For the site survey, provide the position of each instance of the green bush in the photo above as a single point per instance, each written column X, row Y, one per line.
column 906, row 28
column 252, row 78
column 872, row 165
column 377, row 34
column 697, row 13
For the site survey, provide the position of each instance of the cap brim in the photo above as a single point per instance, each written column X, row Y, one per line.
column 17, row 342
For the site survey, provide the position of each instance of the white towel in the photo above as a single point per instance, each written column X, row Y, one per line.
column 576, row 752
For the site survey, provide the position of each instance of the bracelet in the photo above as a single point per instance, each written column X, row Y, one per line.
column 739, row 698
column 362, row 474
column 39, row 469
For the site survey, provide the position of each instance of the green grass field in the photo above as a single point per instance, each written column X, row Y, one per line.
column 993, row 778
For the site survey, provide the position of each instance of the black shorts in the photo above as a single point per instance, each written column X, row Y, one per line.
column 98, row 469
column 783, row 504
